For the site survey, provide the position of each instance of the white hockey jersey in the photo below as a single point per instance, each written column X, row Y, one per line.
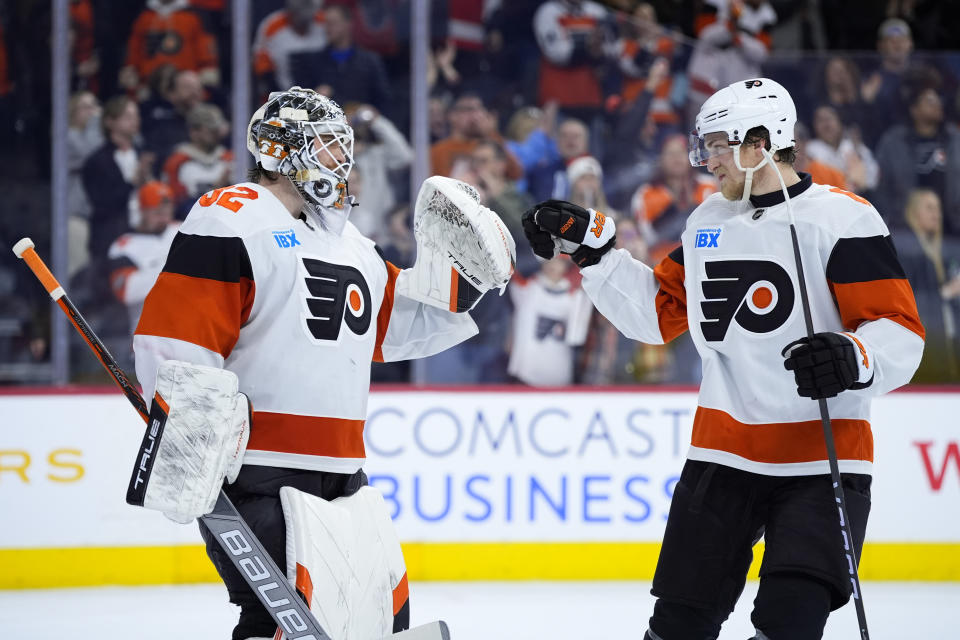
column 549, row 320
column 733, row 283
column 297, row 312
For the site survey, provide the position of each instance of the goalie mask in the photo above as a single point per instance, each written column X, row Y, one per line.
column 304, row 136
column 733, row 111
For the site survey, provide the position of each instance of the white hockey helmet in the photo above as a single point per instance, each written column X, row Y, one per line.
column 739, row 107
column 290, row 134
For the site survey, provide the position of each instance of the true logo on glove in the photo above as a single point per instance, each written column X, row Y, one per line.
column 598, row 221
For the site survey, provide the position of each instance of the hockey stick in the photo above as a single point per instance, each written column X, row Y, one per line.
column 849, row 549
column 224, row 523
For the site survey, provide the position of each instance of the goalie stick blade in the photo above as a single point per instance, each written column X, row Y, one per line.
column 431, row 631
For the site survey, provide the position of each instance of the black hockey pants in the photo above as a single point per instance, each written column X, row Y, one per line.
column 717, row 514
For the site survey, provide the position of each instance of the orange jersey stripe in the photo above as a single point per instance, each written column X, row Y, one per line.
column 276, row 24
column 225, row 307
column 672, row 297
column 780, row 443
column 306, row 435
column 861, row 302
column 577, row 23
column 386, row 308
column 401, row 594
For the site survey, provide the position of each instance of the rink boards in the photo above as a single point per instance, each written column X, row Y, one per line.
column 483, row 485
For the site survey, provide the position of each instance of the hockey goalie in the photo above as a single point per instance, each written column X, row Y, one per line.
column 257, row 339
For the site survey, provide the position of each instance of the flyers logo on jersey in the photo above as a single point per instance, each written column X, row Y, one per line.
column 336, row 295
column 756, row 294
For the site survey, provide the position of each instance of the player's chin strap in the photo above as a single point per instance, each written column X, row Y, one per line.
column 748, row 181
column 768, row 157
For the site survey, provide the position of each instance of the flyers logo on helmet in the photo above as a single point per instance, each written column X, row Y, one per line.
column 336, row 295
column 756, row 294
column 753, row 83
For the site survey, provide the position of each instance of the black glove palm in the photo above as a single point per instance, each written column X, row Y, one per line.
column 823, row 365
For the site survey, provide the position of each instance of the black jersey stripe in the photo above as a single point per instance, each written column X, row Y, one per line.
column 677, row 255
column 211, row 257
column 863, row 260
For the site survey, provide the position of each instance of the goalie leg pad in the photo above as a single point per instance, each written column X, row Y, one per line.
column 196, row 436
column 345, row 558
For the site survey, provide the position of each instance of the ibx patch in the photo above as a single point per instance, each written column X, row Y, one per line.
column 708, row 238
column 286, row 238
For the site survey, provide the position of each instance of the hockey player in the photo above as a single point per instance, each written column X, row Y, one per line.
column 270, row 294
column 757, row 464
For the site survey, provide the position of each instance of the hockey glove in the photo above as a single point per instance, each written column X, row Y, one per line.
column 827, row 364
column 196, row 438
column 555, row 226
column 463, row 248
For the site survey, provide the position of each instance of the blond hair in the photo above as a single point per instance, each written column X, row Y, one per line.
column 931, row 243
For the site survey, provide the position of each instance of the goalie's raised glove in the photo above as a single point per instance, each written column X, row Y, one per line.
column 556, row 226
column 828, row 363
column 463, row 248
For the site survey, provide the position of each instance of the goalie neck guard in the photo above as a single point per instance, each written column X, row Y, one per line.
column 304, row 136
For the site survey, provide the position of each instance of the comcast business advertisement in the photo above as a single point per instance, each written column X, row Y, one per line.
column 465, row 466
column 527, row 466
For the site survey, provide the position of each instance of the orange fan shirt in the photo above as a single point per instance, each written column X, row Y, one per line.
column 178, row 39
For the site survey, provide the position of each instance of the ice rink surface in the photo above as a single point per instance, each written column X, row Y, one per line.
column 474, row 611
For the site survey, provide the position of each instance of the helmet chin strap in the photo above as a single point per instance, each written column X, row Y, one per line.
column 748, row 181
column 768, row 157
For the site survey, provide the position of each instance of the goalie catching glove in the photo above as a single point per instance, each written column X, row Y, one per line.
column 196, row 437
column 555, row 226
column 463, row 248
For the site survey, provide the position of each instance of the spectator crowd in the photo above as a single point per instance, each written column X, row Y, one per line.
column 571, row 99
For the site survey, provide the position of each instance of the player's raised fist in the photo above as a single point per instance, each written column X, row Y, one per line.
column 557, row 226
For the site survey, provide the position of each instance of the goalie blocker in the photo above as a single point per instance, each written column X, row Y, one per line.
column 463, row 248
column 195, row 439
